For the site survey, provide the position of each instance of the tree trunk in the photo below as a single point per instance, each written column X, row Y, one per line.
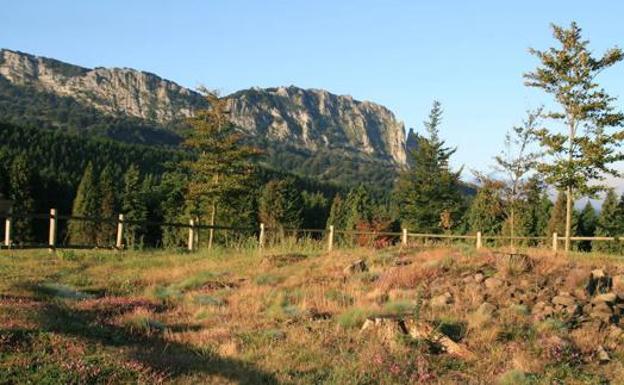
column 568, row 225
column 512, row 232
column 212, row 223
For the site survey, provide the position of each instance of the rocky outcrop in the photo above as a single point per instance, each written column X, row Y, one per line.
column 293, row 117
column 111, row 90
column 314, row 119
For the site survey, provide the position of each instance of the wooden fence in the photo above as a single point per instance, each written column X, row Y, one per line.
column 194, row 227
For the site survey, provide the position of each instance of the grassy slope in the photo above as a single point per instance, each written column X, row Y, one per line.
column 243, row 317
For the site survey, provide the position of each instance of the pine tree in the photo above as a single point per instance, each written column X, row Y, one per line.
column 358, row 208
column 337, row 215
column 538, row 205
column 587, row 226
column 568, row 73
column 281, row 205
column 557, row 221
column 134, row 207
column 109, row 207
column 487, row 212
column 429, row 190
column 86, row 204
column 608, row 223
column 22, row 180
column 222, row 167
column 315, row 210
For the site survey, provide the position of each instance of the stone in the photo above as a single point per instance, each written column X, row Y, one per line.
column 609, row 298
column 358, row 266
column 441, row 300
column 493, row 283
column 599, row 282
column 479, row 277
column 564, row 300
column 602, row 354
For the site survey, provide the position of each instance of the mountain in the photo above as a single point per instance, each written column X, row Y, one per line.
column 310, row 131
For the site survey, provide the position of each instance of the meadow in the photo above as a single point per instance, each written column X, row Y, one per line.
column 296, row 314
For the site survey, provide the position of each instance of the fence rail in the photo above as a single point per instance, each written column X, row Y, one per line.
column 194, row 226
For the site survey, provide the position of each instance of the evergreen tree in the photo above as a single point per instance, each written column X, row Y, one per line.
column 428, row 190
column 608, row 224
column 538, row 206
column 315, row 210
column 281, row 205
column 337, row 213
column 109, row 207
column 22, row 179
column 587, row 226
column 557, row 221
column 568, row 73
column 86, row 204
column 487, row 211
column 358, row 208
column 222, row 167
column 134, row 207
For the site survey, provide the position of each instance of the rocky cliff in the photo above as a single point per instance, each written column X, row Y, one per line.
column 309, row 120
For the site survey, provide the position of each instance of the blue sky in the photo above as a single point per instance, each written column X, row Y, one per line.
column 403, row 54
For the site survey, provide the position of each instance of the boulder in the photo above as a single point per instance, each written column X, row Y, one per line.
column 608, row 298
column 599, row 282
column 479, row 277
column 564, row 300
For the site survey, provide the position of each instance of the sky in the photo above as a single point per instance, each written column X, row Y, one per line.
column 470, row 55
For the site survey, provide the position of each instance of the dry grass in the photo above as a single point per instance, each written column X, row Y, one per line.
column 288, row 316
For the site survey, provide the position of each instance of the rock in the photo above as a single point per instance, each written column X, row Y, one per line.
column 564, row 300
column 609, row 298
column 618, row 283
column 388, row 328
column 493, row 283
column 441, row 300
column 479, row 277
column 422, row 330
column 599, row 282
column 603, row 356
column 358, row 266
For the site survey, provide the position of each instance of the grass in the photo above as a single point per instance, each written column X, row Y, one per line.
column 231, row 317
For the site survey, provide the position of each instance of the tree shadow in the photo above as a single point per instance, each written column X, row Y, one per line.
column 173, row 358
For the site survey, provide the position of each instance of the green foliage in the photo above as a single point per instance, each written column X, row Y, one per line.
column 134, row 207
column 585, row 152
column 281, row 205
column 428, row 193
column 487, row 212
column 22, row 179
column 587, row 226
column 557, row 221
column 109, row 206
column 86, row 204
column 609, row 223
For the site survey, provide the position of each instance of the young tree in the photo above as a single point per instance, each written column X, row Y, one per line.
column 86, row 204
column 108, row 207
column 487, row 212
column 608, row 223
column 222, row 167
column 337, row 213
column 569, row 73
column 359, row 208
column 515, row 161
column 281, row 205
column 557, row 221
column 134, row 206
column 428, row 191
column 22, row 181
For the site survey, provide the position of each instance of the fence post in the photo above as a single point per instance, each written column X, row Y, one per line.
column 479, row 244
column 120, row 230
column 261, row 237
column 330, row 241
column 191, row 238
column 7, row 232
column 52, row 237
column 404, row 237
column 555, row 242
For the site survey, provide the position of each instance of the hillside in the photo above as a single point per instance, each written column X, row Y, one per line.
column 307, row 127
